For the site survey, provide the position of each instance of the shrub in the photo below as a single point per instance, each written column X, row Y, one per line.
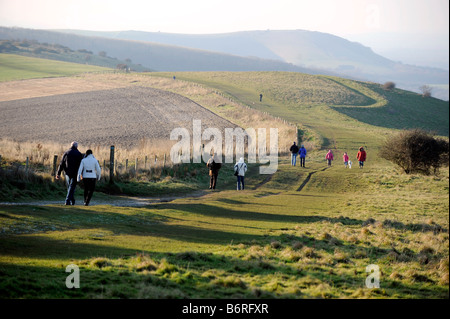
column 389, row 86
column 416, row 151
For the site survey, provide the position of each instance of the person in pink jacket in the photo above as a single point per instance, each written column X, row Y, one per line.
column 345, row 158
column 329, row 157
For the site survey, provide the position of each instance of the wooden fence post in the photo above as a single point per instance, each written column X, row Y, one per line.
column 145, row 162
column 136, row 167
column 111, row 165
column 55, row 160
column 126, row 165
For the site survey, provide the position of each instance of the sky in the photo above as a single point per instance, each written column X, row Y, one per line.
column 407, row 23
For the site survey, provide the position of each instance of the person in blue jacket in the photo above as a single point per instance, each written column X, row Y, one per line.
column 302, row 153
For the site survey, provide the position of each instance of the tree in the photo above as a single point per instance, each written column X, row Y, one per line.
column 102, row 54
column 416, row 151
column 426, row 90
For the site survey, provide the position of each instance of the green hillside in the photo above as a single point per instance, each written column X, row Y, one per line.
column 16, row 67
column 336, row 108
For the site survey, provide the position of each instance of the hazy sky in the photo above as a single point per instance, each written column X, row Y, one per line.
column 219, row 16
column 412, row 19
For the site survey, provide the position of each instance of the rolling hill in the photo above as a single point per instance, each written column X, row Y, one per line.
column 294, row 51
column 306, row 49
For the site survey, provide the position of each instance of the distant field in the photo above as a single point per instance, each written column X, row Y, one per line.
column 16, row 67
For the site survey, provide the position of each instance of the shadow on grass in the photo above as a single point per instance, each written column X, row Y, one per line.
column 199, row 275
column 215, row 211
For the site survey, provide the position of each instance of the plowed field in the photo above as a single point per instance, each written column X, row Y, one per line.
column 118, row 116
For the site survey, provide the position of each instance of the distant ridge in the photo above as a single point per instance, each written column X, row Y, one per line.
column 158, row 57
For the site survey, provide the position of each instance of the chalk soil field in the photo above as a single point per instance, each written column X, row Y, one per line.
column 118, row 116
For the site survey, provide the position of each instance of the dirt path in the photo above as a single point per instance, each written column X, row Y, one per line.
column 119, row 201
column 309, row 177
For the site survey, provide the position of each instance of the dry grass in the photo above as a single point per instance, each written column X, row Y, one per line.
column 43, row 154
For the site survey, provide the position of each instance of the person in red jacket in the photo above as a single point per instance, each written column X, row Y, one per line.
column 361, row 157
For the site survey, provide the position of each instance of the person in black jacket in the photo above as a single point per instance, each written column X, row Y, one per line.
column 294, row 152
column 70, row 163
column 214, row 167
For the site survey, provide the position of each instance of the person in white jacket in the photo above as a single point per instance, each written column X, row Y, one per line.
column 89, row 172
column 240, row 168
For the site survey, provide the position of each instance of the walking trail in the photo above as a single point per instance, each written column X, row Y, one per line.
column 120, row 201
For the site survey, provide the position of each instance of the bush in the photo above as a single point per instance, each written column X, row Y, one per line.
column 416, row 151
column 389, row 86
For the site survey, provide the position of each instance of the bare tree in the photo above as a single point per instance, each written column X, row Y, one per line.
column 426, row 90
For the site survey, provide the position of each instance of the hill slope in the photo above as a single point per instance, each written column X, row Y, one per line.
column 325, row 103
column 307, row 49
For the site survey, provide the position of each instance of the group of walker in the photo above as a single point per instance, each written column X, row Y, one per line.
column 79, row 167
column 301, row 152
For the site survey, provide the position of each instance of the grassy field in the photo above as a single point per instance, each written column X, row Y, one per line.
column 16, row 67
column 299, row 233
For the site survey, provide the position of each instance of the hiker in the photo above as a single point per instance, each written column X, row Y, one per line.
column 70, row 163
column 302, row 153
column 345, row 158
column 214, row 168
column 329, row 157
column 239, row 171
column 89, row 172
column 294, row 153
column 260, row 97
column 361, row 157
